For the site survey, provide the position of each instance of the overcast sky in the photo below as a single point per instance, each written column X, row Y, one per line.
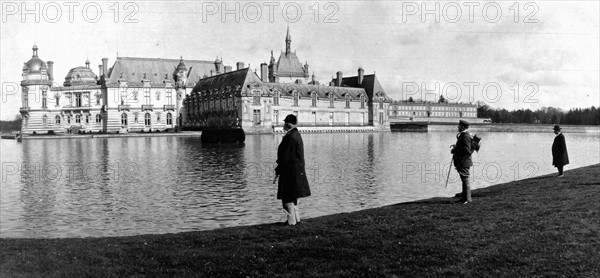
column 508, row 54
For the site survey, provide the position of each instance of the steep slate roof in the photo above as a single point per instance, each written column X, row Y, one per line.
column 289, row 66
column 322, row 91
column 231, row 79
column 370, row 84
column 133, row 70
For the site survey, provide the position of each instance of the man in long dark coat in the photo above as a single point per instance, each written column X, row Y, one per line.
column 560, row 157
column 293, row 183
column 462, row 158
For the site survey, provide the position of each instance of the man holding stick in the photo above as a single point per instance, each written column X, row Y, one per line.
column 290, row 169
column 462, row 158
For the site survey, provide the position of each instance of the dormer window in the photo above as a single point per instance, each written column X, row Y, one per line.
column 314, row 99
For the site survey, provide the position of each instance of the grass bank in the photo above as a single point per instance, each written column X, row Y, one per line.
column 543, row 226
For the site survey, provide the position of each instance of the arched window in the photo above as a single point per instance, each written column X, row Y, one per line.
column 147, row 120
column 124, row 119
column 98, row 118
column 169, row 119
column 57, row 119
column 45, row 120
column 77, row 119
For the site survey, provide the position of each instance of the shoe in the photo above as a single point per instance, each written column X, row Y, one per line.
column 465, row 202
column 560, row 176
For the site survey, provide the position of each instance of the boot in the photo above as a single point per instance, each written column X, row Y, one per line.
column 297, row 214
column 291, row 214
column 466, row 190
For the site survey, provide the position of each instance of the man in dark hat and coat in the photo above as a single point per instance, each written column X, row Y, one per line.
column 293, row 183
column 560, row 157
column 462, row 158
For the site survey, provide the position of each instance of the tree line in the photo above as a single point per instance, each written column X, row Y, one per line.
column 545, row 115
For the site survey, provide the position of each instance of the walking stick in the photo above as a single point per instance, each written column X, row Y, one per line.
column 449, row 168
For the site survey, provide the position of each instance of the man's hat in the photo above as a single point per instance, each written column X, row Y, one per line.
column 556, row 127
column 291, row 119
column 463, row 123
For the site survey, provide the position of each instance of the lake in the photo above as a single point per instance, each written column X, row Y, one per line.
column 151, row 185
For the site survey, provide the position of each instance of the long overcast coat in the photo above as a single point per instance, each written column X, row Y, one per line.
column 560, row 157
column 462, row 151
column 293, row 183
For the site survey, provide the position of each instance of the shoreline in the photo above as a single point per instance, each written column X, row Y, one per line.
column 543, row 226
column 432, row 127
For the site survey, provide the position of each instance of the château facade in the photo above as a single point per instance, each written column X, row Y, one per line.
column 135, row 94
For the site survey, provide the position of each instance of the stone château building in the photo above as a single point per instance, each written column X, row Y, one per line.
column 135, row 94
column 242, row 99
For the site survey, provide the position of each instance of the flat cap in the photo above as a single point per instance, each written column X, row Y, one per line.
column 463, row 123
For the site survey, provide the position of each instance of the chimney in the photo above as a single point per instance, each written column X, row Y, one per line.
column 264, row 73
column 105, row 66
column 338, row 81
column 361, row 76
column 50, row 70
column 240, row 65
column 227, row 69
column 100, row 73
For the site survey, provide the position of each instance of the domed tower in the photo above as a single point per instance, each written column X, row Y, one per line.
column 180, row 73
column 81, row 76
column 218, row 66
column 35, row 87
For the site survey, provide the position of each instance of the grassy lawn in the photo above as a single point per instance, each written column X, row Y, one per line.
column 543, row 226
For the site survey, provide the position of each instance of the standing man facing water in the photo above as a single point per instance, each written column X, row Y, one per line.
column 560, row 157
column 293, row 183
column 462, row 158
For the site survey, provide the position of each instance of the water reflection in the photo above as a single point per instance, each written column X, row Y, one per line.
column 127, row 186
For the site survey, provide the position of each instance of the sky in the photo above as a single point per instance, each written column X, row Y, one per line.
column 506, row 54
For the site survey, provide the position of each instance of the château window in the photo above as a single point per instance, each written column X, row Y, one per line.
column 362, row 101
column 347, row 100
column 169, row 119
column 77, row 119
column 124, row 119
column 147, row 95
column 87, row 119
column 314, row 99
column 123, row 95
column 255, row 97
column 256, row 118
column 157, row 95
column 57, row 119
column 275, row 97
column 147, row 120
column 98, row 118
column 381, row 103
column 158, row 118
column 78, row 99
column 44, row 99
column 331, row 104
column 296, row 97
column 57, row 98
column 45, row 119
column 68, row 119
column 169, row 95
